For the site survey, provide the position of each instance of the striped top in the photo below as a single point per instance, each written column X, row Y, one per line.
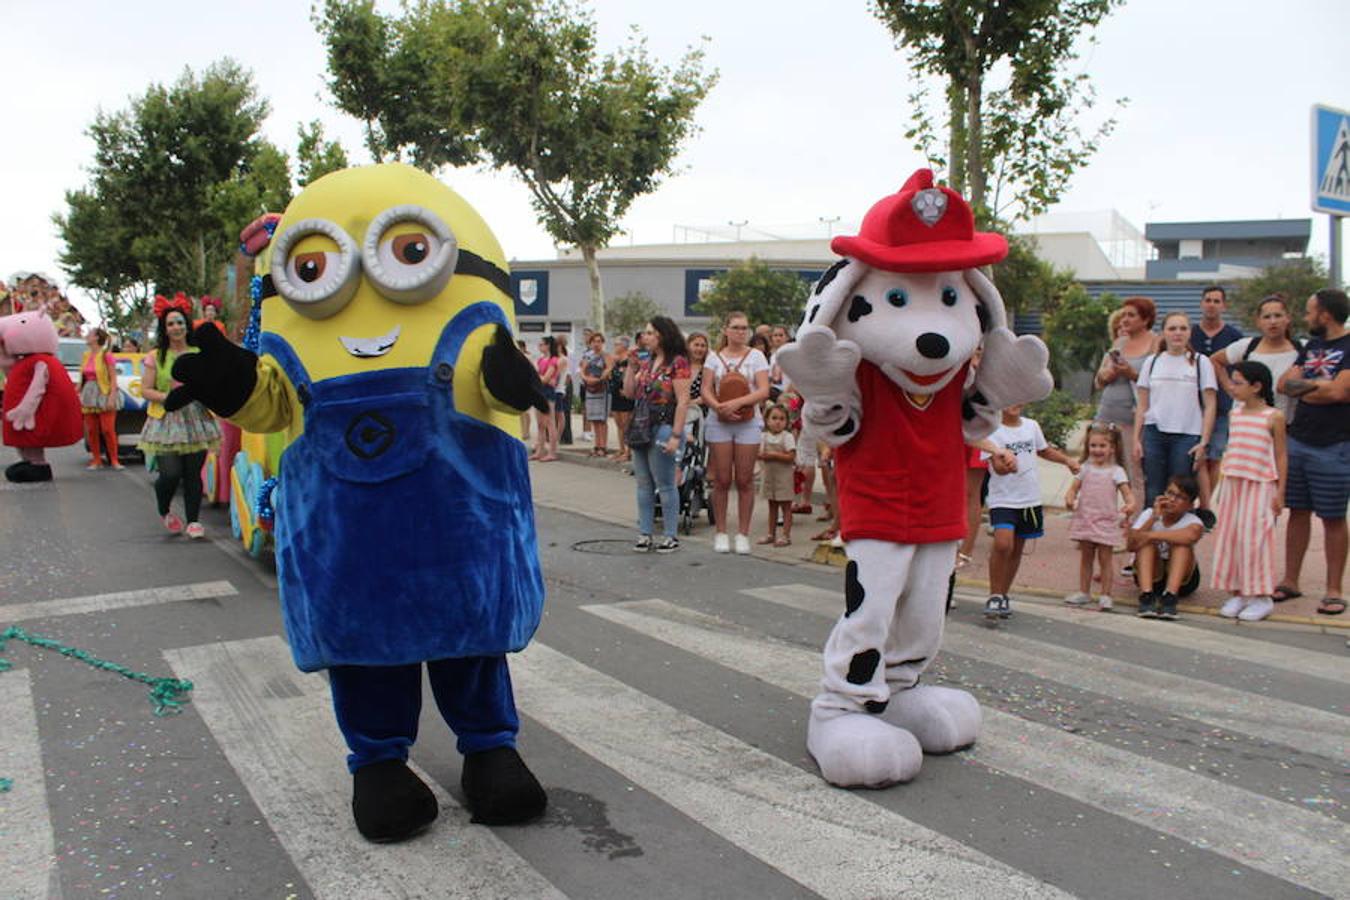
column 1251, row 447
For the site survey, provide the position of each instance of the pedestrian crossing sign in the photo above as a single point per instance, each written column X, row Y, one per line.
column 1330, row 160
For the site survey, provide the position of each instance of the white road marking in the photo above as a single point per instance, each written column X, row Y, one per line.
column 1284, row 841
column 1276, row 656
column 25, row 819
column 74, row 606
column 276, row 727
column 833, row 842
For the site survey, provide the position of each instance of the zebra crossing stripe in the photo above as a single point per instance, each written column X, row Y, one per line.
column 276, row 727
column 1289, row 659
column 25, row 819
column 1281, row 840
column 786, row 817
column 74, row 606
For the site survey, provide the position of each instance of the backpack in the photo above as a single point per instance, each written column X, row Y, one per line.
column 732, row 386
column 1252, row 344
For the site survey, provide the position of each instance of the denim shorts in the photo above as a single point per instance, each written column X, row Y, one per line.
column 1025, row 523
column 1319, row 478
column 1218, row 440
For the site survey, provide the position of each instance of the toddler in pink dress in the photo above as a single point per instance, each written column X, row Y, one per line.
column 1097, row 516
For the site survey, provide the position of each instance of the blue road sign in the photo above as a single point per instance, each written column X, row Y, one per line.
column 1330, row 160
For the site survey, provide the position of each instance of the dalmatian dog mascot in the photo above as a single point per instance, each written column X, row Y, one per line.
column 882, row 361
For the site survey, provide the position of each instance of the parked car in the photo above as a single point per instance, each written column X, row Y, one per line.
column 131, row 412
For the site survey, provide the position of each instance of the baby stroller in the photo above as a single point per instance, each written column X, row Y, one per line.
column 692, row 475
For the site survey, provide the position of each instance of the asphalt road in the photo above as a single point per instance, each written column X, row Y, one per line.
column 664, row 703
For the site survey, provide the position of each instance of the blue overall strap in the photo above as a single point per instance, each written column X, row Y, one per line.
column 275, row 345
column 457, row 331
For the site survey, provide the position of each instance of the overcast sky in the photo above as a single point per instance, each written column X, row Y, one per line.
column 806, row 123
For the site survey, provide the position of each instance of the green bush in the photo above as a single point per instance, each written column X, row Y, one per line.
column 1057, row 415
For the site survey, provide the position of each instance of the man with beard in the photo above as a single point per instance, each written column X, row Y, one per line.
column 1319, row 446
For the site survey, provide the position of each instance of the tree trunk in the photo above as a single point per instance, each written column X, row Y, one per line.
column 956, row 137
column 977, row 179
column 597, row 293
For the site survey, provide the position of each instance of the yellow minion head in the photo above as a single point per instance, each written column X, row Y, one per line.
column 371, row 262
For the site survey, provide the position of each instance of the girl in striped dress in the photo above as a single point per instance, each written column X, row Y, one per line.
column 1251, row 496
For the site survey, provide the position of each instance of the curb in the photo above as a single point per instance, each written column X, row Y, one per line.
column 1281, row 618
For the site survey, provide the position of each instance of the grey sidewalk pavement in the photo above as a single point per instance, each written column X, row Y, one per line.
column 602, row 489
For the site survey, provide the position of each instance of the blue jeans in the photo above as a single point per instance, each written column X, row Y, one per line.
column 1165, row 454
column 654, row 470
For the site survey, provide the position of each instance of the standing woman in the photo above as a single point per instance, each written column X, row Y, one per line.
column 562, row 408
column 595, row 368
column 1174, row 416
column 659, row 387
column 180, row 439
column 98, row 399
column 697, row 344
column 550, row 366
column 1273, row 347
column 621, row 406
column 736, row 383
column 1133, row 340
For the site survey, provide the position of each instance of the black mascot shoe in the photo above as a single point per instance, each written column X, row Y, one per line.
column 499, row 789
column 23, row 471
column 390, row 803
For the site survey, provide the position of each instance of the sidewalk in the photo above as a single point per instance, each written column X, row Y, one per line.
column 602, row 489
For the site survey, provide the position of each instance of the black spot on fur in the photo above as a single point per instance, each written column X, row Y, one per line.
column 858, row 308
column 983, row 315
column 811, row 316
column 876, row 707
column 979, row 398
column 853, row 589
column 832, row 271
column 967, row 410
column 845, row 430
column 863, row 666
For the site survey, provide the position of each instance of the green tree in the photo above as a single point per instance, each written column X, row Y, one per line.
column 315, row 157
column 175, row 176
column 763, row 294
column 520, row 84
column 628, row 313
column 1076, row 331
column 1012, row 105
column 1297, row 279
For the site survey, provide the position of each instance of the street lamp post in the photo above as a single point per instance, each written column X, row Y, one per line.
column 738, row 226
column 828, row 221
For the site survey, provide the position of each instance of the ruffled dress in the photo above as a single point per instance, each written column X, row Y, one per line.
column 187, row 430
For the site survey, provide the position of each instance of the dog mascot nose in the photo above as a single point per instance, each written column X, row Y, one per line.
column 933, row 346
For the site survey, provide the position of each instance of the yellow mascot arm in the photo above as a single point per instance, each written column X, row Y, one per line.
column 271, row 406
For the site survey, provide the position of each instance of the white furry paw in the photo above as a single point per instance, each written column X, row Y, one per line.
column 860, row 750
column 943, row 719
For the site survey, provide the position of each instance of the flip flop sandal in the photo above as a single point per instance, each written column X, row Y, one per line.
column 782, row 542
column 1283, row 593
column 1331, row 606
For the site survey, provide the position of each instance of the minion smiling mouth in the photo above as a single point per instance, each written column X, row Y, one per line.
column 367, row 348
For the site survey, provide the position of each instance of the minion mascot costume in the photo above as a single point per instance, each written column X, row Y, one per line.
column 404, row 524
column 882, row 361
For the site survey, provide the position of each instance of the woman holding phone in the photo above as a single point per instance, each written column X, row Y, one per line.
column 1133, row 341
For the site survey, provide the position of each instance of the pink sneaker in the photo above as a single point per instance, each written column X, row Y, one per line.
column 173, row 523
column 195, row 531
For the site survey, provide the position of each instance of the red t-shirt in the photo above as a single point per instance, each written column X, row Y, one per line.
column 903, row 477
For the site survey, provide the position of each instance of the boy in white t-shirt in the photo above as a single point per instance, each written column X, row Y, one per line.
column 1163, row 539
column 1014, row 499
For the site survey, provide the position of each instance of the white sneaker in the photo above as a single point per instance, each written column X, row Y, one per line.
column 1105, row 603
column 721, row 542
column 1257, row 609
column 1232, row 607
column 742, row 544
column 1078, row 599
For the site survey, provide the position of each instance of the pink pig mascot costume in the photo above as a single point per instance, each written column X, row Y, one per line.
column 882, row 361
column 41, row 408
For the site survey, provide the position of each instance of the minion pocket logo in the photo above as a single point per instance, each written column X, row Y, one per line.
column 370, row 434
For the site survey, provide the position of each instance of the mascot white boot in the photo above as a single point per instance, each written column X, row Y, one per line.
column 882, row 361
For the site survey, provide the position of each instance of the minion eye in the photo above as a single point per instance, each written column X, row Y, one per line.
column 316, row 282
column 409, row 253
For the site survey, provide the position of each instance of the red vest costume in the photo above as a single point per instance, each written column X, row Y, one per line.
column 59, row 423
column 903, row 477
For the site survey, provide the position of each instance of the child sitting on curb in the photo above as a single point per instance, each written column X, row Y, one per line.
column 1163, row 539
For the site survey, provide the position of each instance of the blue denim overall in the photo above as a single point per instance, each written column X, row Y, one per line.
column 404, row 528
